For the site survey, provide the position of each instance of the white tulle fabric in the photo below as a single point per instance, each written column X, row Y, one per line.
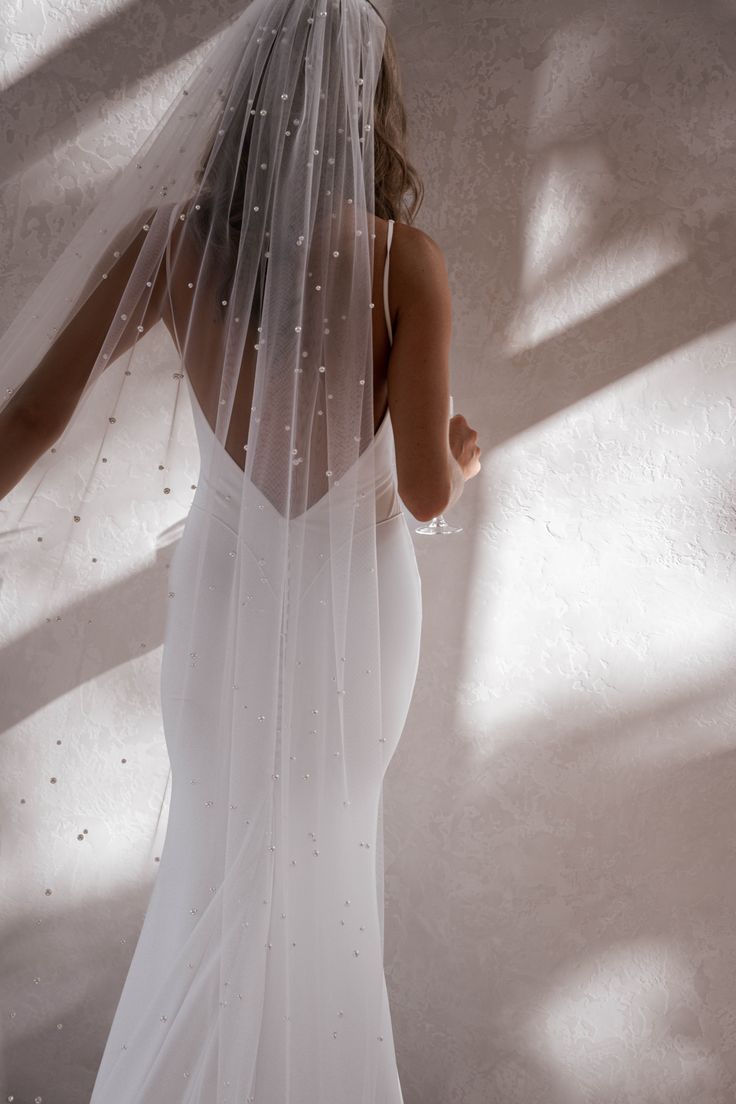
column 310, row 1013
column 246, row 223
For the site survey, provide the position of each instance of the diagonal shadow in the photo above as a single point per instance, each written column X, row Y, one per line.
column 676, row 308
column 171, row 36
column 136, row 606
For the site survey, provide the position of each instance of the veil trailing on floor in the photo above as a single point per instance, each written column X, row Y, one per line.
column 245, row 226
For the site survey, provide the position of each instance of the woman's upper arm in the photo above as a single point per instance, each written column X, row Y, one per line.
column 419, row 375
column 51, row 393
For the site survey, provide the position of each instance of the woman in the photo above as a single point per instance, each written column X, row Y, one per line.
column 292, row 640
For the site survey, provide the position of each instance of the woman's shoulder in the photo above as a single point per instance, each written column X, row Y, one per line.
column 416, row 257
column 411, row 233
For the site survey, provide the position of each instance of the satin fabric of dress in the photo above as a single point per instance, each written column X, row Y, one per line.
column 191, row 861
column 176, row 954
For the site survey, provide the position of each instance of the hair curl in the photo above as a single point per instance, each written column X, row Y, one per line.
column 395, row 176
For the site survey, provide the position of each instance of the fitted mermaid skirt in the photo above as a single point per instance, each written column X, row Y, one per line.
column 314, row 1036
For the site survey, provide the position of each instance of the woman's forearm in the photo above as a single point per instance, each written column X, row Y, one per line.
column 22, row 442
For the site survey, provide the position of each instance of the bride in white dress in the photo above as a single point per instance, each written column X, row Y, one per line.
column 192, row 859
column 292, row 641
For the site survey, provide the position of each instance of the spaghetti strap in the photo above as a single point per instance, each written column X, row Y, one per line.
column 385, row 281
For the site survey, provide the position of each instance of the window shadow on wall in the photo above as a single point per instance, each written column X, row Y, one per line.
column 504, row 879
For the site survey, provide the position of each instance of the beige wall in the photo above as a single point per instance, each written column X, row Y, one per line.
column 560, row 812
column 559, row 815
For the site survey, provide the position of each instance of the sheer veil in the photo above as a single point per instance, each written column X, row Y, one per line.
column 245, row 227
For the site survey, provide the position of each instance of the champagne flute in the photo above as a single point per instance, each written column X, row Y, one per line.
column 438, row 527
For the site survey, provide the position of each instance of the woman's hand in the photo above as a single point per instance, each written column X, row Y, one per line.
column 464, row 447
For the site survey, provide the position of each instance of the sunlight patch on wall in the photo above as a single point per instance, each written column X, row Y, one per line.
column 634, row 1000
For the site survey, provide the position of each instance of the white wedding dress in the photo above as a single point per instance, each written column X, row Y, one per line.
column 328, row 967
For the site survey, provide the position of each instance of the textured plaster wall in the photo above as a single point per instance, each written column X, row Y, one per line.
column 561, row 897
column 559, row 817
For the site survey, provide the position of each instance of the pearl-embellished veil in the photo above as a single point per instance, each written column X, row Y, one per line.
column 245, row 227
